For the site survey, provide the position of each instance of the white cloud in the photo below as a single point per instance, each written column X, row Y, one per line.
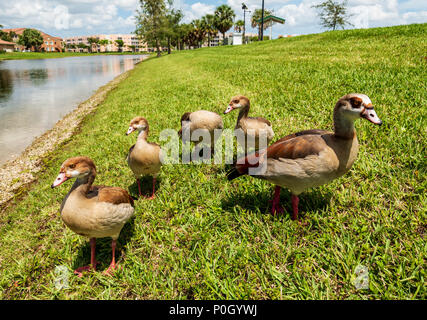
column 201, row 9
column 72, row 17
column 298, row 15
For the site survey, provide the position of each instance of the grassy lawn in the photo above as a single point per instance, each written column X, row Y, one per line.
column 206, row 238
column 51, row 55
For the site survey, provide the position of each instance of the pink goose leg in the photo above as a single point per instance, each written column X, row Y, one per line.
column 113, row 259
column 93, row 262
column 295, row 201
column 139, row 187
column 276, row 207
column 154, row 190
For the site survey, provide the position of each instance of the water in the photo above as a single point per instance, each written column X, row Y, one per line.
column 35, row 94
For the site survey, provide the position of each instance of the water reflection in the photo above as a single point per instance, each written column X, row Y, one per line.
column 35, row 94
column 6, row 84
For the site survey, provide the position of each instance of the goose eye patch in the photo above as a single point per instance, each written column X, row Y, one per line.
column 356, row 102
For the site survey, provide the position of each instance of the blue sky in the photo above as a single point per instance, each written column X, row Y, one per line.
column 85, row 17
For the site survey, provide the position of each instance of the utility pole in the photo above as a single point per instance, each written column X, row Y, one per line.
column 245, row 9
column 262, row 21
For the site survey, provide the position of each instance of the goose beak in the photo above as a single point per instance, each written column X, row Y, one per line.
column 61, row 178
column 229, row 108
column 370, row 115
column 130, row 130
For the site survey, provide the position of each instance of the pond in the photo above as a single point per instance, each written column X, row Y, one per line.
column 35, row 94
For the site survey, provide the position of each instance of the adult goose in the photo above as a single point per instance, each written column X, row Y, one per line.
column 252, row 127
column 201, row 120
column 144, row 158
column 92, row 211
column 310, row 158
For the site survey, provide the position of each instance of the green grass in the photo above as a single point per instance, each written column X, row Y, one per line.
column 51, row 55
column 206, row 238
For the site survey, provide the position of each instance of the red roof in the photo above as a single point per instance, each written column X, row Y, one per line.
column 6, row 42
column 20, row 31
column 16, row 30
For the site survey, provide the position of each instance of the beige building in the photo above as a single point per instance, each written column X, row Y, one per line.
column 7, row 46
column 130, row 43
column 217, row 40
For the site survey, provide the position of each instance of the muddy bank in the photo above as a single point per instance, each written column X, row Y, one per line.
column 21, row 171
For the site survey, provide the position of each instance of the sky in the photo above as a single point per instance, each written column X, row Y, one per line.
column 65, row 18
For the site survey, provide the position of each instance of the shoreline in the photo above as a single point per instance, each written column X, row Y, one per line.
column 60, row 55
column 19, row 172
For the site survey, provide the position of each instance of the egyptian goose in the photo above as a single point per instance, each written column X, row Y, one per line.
column 313, row 157
column 92, row 211
column 253, row 127
column 144, row 158
column 204, row 120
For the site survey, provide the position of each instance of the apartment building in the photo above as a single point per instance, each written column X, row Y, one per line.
column 50, row 43
column 217, row 40
column 130, row 43
column 7, row 46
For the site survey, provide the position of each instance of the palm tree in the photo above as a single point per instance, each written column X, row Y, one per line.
column 93, row 42
column 257, row 16
column 209, row 24
column 82, row 46
column 187, row 34
column 224, row 17
column 199, row 32
column 104, row 42
column 238, row 26
column 119, row 43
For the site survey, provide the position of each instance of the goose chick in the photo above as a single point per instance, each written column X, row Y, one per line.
column 201, row 120
column 92, row 211
column 253, row 127
column 144, row 158
column 310, row 158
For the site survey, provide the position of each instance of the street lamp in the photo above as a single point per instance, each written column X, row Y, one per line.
column 262, row 21
column 245, row 9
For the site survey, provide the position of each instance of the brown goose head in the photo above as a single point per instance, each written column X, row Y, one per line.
column 237, row 102
column 356, row 105
column 138, row 124
column 76, row 167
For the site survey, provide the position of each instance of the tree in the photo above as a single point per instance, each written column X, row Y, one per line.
column 31, row 38
column 224, row 16
column 199, row 32
column 120, row 43
column 238, row 26
column 187, row 34
column 6, row 36
column 256, row 16
column 104, row 42
column 333, row 14
column 209, row 25
column 93, row 42
column 152, row 23
column 83, row 46
column 172, row 33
